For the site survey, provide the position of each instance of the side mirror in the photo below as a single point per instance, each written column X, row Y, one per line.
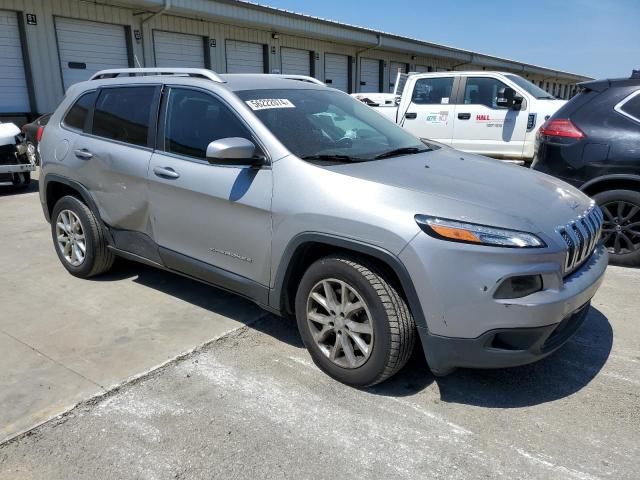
column 233, row 151
column 508, row 98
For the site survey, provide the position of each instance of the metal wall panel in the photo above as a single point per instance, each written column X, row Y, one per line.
column 14, row 93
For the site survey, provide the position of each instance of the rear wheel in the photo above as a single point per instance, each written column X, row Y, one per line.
column 78, row 239
column 355, row 324
column 621, row 227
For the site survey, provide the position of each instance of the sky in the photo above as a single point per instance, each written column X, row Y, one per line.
column 597, row 38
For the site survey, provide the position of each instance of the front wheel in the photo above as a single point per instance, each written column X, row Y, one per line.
column 355, row 324
column 621, row 227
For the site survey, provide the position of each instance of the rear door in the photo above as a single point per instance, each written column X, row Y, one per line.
column 483, row 127
column 112, row 155
column 431, row 109
column 216, row 214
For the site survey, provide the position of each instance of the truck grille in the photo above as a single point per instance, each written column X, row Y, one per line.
column 581, row 237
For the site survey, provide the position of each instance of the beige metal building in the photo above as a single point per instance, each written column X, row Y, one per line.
column 47, row 45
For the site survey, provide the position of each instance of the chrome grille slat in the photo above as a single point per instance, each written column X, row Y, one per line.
column 581, row 237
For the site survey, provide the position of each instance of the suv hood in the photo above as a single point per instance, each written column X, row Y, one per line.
column 457, row 185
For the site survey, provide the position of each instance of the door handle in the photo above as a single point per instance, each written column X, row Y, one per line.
column 166, row 172
column 464, row 116
column 410, row 115
column 84, row 154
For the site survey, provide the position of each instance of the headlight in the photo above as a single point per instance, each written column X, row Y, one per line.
column 456, row 231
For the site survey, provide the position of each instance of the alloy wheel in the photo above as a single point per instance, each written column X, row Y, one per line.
column 340, row 323
column 621, row 227
column 70, row 238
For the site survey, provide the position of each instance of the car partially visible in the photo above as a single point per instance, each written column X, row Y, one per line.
column 593, row 143
column 32, row 135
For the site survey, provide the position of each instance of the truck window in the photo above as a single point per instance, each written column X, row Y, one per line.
column 483, row 91
column 432, row 91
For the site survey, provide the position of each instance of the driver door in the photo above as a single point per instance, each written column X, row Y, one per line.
column 218, row 215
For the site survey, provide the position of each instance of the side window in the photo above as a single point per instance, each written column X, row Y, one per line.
column 432, row 91
column 124, row 114
column 483, row 91
column 194, row 119
column 632, row 107
column 77, row 115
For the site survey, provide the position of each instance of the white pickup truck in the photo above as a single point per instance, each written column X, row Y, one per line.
column 490, row 113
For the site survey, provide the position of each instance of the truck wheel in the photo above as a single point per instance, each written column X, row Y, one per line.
column 621, row 228
column 78, row 239
column 355, row 324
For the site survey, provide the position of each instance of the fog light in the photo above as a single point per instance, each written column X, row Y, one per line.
column 518, row 287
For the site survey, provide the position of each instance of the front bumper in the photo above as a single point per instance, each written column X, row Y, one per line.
column 17, row 168
column 467, row 327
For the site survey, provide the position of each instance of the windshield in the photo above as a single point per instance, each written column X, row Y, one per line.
column 534, row 90
column 324, row 124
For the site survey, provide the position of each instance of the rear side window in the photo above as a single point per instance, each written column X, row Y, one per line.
column 194, row 119
column 631, row 107
column 432, row 91
column 124, row 114
column 77, row 115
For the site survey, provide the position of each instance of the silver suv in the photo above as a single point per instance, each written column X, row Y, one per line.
column 313, row 205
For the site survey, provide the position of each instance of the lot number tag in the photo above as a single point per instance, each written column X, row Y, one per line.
column 266, row 103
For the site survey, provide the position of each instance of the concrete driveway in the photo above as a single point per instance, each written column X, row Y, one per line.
column 63, row 340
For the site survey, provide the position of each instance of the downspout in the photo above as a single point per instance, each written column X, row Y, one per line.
column 166, row 8
column 378, row 45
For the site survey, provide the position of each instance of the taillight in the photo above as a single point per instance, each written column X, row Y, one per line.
column 561, row 127
column 39, row 133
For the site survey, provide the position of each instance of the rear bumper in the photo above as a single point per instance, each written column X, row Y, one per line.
column 500, row 348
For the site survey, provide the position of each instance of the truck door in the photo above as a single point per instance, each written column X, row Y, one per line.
column 430, row 110
column 480, row 126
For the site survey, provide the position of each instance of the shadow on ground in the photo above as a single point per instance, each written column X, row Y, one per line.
column 6, row 189
column 565, row 372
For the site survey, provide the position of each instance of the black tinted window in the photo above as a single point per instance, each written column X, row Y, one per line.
column 77, row 116
column 632, row 107
column 194, row 119
column 124, row 114
column 483, row 91
column 432, row 91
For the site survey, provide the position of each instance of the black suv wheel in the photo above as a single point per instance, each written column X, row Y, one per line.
column 355, row 324
column 621, row 228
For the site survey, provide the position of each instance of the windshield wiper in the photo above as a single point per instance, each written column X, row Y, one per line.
column 336, row 158
column 401, row 151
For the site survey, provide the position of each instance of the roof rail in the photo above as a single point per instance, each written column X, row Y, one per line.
column 190, row 72
column 300, row 78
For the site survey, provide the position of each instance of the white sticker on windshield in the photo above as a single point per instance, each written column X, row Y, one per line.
column 265, row 103
column 444, row 100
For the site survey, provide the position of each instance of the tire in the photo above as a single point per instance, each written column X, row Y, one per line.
column 383, row 311
column 97, row 257
column 623, row 224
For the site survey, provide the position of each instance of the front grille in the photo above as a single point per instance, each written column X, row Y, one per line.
column 581, row 237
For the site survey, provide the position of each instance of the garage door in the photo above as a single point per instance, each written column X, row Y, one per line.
column 369, row 75
column 393, row 73
column 336, row 71
column 178, row 50
column 244, row 57
column 422, row 68
column 295, row 62
column 14, row 96
column 86, row 47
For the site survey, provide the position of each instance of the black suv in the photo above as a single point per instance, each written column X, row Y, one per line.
column 593, row 142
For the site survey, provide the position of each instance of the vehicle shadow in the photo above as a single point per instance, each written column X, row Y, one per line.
column 562, row 374
column 8, row 189
column 565, row 372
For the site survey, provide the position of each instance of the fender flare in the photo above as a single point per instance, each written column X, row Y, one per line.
column 276, row 294
column 606, row 178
